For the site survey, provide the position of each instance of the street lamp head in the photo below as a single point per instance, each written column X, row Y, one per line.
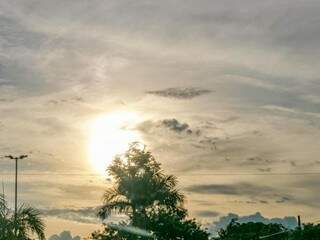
column 16, row 158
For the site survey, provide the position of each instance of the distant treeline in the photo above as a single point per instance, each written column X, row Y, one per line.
column 272, row 231
column 154, row 207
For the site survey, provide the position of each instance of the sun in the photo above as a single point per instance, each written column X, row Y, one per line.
column 111, row 134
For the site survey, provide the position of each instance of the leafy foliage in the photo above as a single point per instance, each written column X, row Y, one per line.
column 310, row 231
column 172, row 225
column 26, row 223
column 149, row 198
column 252, row 231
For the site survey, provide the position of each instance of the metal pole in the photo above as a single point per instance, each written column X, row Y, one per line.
column 299, row 227
column 16, row 192
column 16, row 189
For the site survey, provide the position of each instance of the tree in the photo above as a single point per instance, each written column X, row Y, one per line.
column 149, row 198
column 170, row 225
column 309, row 231
column 26, row 223
column 251, row 231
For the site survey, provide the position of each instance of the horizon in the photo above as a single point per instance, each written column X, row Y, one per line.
column 224, row 94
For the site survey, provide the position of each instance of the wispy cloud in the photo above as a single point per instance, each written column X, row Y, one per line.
column 81, row 215
column 229, row 189
column 180, row 93
column 243, row 77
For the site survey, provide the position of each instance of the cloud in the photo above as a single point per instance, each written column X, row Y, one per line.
column 255, row 193
column 283, row 199
column 86, row 215
column 257, row 161
column 311, row 98
column 264, row 169
column 311, row 183
column 180, row 93
column 171, row 124
column 54, row 77
column 65, row 235
column 289, row 222
column 81, row 215
column 70, row 100
column 207, row 213
column 228, row 189
column 174, row 125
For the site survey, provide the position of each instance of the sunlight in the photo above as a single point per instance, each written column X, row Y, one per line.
column 110, row 135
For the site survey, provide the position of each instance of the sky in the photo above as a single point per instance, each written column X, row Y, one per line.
column 224, row 93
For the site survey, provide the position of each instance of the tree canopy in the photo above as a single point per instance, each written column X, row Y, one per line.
column 23, row 226
column 309, row 231
column 251, row 231
column 149, row 198
column 256, row 230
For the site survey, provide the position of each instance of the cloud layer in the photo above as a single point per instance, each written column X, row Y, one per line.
column 65, row 235
column 82, row 215
column 227, row 96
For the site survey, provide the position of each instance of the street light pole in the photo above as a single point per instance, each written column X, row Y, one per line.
column 16, row 186
column 16, row 190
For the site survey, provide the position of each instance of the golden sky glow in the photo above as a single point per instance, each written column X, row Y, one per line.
column 110, row 134
column 225, row 95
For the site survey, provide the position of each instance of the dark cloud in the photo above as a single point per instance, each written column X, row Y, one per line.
column 65, row 235
column 257, row 160
column 255, row 193
column 180, row 93
column 81, row 215
column 207, row 213
column 264, row 169
column 283, row 199
column 293, row 163
column 174, row 125
column 229, row 189
column 210, row 141
column 71, row 100
column 289, row 222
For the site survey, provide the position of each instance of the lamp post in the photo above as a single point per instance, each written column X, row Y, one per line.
column 16, row 184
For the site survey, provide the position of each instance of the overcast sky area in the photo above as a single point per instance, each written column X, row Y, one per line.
column 227, row 94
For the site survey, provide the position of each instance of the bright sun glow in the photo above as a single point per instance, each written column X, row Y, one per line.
column 110, row 135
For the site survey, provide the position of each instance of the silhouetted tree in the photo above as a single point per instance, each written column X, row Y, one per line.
column 309, row 231
column 26, row 223
column 149, row 198
column 251, row 231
